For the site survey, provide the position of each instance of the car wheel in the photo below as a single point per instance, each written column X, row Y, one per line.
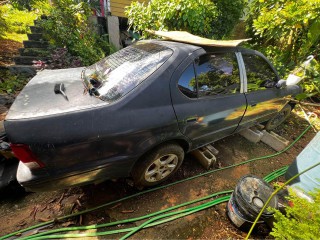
column 279, row 118
column 158, row 165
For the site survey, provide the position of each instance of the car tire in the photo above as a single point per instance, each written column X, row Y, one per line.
column 158, row 165
column 279, row 118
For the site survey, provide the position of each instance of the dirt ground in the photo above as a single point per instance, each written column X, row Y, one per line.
column 19, row 211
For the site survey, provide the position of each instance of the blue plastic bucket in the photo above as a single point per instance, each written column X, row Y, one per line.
column 310, row 155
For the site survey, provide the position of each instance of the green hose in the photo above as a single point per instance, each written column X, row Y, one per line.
column 187, row 212
column 131, row 231
column 155, row 189
column 268, row 178
column 180, row 213
column 127, row 220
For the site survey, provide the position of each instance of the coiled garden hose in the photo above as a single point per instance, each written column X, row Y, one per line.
column 153, row 221
column 154, row 189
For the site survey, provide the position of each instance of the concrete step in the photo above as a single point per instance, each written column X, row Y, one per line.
column 35, row 44
column 3, row 67
column 35, row 36
column 35, row 29
column 36, row 22
column 38, row 52
column 27, row 60
column 23, row 69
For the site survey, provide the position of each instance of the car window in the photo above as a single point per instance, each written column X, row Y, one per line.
column 260, row 75
column 117, row 74
column 187, row 82
column 217, row 74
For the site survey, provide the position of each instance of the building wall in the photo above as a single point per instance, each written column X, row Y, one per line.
column 117, row 6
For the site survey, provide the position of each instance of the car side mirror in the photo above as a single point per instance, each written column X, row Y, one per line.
column 281, row 83
column 293, row 79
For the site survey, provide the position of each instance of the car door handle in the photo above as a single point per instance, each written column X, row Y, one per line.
column 253, row 104
column 191, row 119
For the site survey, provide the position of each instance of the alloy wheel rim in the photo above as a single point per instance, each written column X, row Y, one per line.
column 161, row 168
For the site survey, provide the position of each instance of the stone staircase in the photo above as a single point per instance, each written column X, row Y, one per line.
column 35, row 48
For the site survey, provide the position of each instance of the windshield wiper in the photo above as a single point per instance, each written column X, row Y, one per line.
column 59, row 88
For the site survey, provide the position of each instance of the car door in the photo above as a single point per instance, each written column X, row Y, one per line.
column 207, row 97
column 263, row 98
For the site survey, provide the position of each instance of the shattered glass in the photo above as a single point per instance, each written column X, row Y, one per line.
column 116, row 75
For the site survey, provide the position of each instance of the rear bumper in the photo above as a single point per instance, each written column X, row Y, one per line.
column 41, row 181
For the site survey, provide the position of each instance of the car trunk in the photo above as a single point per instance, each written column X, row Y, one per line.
column 38, row 98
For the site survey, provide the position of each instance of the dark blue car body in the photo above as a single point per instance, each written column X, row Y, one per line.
column 86, row 140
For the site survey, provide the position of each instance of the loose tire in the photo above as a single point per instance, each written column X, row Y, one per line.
column 279, row 118
column 158, row 165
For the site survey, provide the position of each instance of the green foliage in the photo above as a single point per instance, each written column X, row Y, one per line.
column 310, row 81
column 69, row 26
column 14, row 21
column 3, row 25
column 292, row 27
column 42, row 7
column 10, row 83
column 203, row 17
column 301, row 221
column 287, row 32
column 25, row 4
column 189, row 15
column 229, row 12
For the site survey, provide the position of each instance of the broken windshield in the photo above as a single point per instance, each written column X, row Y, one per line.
column 116, row 75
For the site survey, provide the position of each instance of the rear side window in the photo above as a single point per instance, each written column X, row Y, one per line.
column 187, row 83
column 260, row 75
column 117, row 74
column 217, row 74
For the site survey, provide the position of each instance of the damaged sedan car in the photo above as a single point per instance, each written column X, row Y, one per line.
column 137, row 112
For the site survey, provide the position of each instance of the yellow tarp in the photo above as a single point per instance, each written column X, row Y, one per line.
column 181, row 36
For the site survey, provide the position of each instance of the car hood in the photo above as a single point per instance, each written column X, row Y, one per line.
column 38, row 98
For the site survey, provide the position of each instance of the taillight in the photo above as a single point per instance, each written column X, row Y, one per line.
column 24, row 154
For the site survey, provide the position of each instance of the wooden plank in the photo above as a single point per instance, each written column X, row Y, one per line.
column 118, row 6
column 118, row 12
column 182, row 36
column 125, row 2
column 117, row 9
